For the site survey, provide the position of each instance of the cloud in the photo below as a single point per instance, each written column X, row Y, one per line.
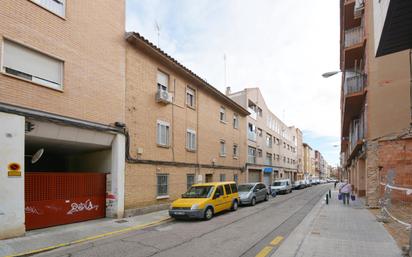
column 282, row 47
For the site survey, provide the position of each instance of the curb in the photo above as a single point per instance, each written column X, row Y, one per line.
column 112, row 233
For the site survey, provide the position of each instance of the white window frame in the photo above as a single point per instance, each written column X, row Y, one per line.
column 222, row 111
column 191, row 140
column 235, row 121
column 160, row 124
column 191, row 92
column 160, row 86
column 222, row 150
column 159, row 185
column 23, row 75
column 43, row 4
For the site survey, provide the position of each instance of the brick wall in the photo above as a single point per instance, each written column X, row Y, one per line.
column 90, row 41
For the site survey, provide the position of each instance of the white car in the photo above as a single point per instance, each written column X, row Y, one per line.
column 281, row 186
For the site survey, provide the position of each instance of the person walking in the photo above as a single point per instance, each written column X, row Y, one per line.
column 346, row 190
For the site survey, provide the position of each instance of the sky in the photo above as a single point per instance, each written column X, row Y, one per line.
column 281, row 46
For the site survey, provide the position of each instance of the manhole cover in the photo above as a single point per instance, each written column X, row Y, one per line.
column 121, row 221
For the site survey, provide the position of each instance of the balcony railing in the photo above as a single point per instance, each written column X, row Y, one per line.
column 354, row 84
column 253, row 113
column 251, row 159
column 357, row 132
column 251, row 135
column 354, row 36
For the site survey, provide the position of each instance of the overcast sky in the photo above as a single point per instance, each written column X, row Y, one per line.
column 280, row 46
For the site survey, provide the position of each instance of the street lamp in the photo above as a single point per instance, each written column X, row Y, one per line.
column 330, row 74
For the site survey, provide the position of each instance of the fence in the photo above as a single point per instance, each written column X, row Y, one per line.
column 396, row 203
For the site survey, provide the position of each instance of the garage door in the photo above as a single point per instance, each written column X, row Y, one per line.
column 53, row 198
column 266, row 178
column 254, row 175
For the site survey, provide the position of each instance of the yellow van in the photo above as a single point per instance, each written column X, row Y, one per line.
column 204, row 200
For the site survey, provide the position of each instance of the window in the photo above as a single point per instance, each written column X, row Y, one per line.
column 163, row 133
column 56, row 6
column 222, row 114
column 233, row 186
column 222, row 177
column 284, row 158
column 284, row 145
column 32, row 65
column 251, row 133
column 219, row 191
column 191, row 140
column 260, row 153
column 259, row 112
column 235, row 121
column 190, row 180
column 268, row 140
column 259, row 132
column 162, row 81
column 268, row 160
column 227, row 189
column 251, row 154
column 162, row 184
column 190, row 97
column 278, row 141
column 235, row 150
column 277, row 157
column 222, row 148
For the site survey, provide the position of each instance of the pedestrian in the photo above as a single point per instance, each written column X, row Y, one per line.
column 336, row 182
column 345, row 190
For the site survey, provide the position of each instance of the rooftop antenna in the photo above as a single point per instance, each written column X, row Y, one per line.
column 158, row 33
column 224, row 60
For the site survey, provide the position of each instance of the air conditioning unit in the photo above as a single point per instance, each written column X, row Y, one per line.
column 359, row 6
column 163, row 96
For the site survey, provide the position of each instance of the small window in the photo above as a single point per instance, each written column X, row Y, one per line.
column 190, row 97
column 259, row 132
column 190, row 178
column 235, row 150
column 32, row 65
column 259, row 112
column 227, row 189
column 222, row 148
column 268, row 140
column 55, row 6
column 284, row 159
column 234, row 186
column 235, row 121
column 260, row 153
column 162, row 184
column 163, row 129
column 162, row 81
column 222, row 177
column 222, row 114
column 191, row 140
column 219, row 190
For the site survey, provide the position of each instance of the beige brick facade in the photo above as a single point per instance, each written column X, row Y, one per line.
column 143, row 112
column 90, row 42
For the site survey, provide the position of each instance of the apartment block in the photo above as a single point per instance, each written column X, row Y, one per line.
column 181, row 129
column 375, row 95
column 61, row 96
column 309, row 161
column 271, row 144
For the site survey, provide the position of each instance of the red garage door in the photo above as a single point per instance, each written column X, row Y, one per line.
column 54, row 198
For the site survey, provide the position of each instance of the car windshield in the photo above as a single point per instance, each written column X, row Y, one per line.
column 244, row 188
column 198, row 192
column 278, row 183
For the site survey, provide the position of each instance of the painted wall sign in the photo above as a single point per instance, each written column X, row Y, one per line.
column 14, row 170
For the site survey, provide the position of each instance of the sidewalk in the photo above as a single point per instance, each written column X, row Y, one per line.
column 339, row 231
column 54, row 237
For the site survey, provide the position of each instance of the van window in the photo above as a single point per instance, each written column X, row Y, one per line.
column 227, row 189
column 234, row 188
column 219, row 190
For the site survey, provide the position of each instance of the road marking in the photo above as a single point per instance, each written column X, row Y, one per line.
column 265, row 251
column 120, row 231
column 276, row 240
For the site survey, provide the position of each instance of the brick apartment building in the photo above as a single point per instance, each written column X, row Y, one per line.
column 182, row 130
column 271, row 144
column 61, row 92
column 376, row 93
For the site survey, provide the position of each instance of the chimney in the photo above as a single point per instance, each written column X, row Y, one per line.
column 228, row 91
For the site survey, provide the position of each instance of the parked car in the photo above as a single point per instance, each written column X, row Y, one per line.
column 308, row 183
column 298, row 184
column 282, row 186
column 204, row 200
column 251, row 193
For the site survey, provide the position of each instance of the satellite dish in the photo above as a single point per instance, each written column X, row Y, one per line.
column 36, row 157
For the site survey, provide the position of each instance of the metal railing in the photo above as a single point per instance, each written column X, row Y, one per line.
column 354, row 84
column 251, row 135
column 357, row 132
column 251, row 159
column 354, row 36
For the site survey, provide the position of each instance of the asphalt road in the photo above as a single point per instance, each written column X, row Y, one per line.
column 246, row 232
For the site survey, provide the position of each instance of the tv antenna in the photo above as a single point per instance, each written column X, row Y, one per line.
column 224, row 60
column 157, row 27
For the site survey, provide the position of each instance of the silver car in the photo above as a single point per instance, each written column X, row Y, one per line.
column 251, row 193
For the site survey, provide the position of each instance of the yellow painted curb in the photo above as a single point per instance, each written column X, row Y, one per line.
column 276, row 240
column 264, row 252
column 120, row 231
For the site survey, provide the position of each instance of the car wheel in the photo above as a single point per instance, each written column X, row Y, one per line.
column 267, row 197
column 235, row 205
column 208, row 213
column 253, row 202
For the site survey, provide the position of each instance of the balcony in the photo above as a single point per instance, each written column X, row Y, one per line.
column 251, row 136
column 354, row 84
column 252, row 114
column 354, row 36
column 251, row 159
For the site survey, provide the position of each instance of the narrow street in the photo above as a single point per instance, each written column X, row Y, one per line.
column 242, row 233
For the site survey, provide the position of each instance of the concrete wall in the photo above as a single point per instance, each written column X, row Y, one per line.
column 94, row 80
column 11, row 188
